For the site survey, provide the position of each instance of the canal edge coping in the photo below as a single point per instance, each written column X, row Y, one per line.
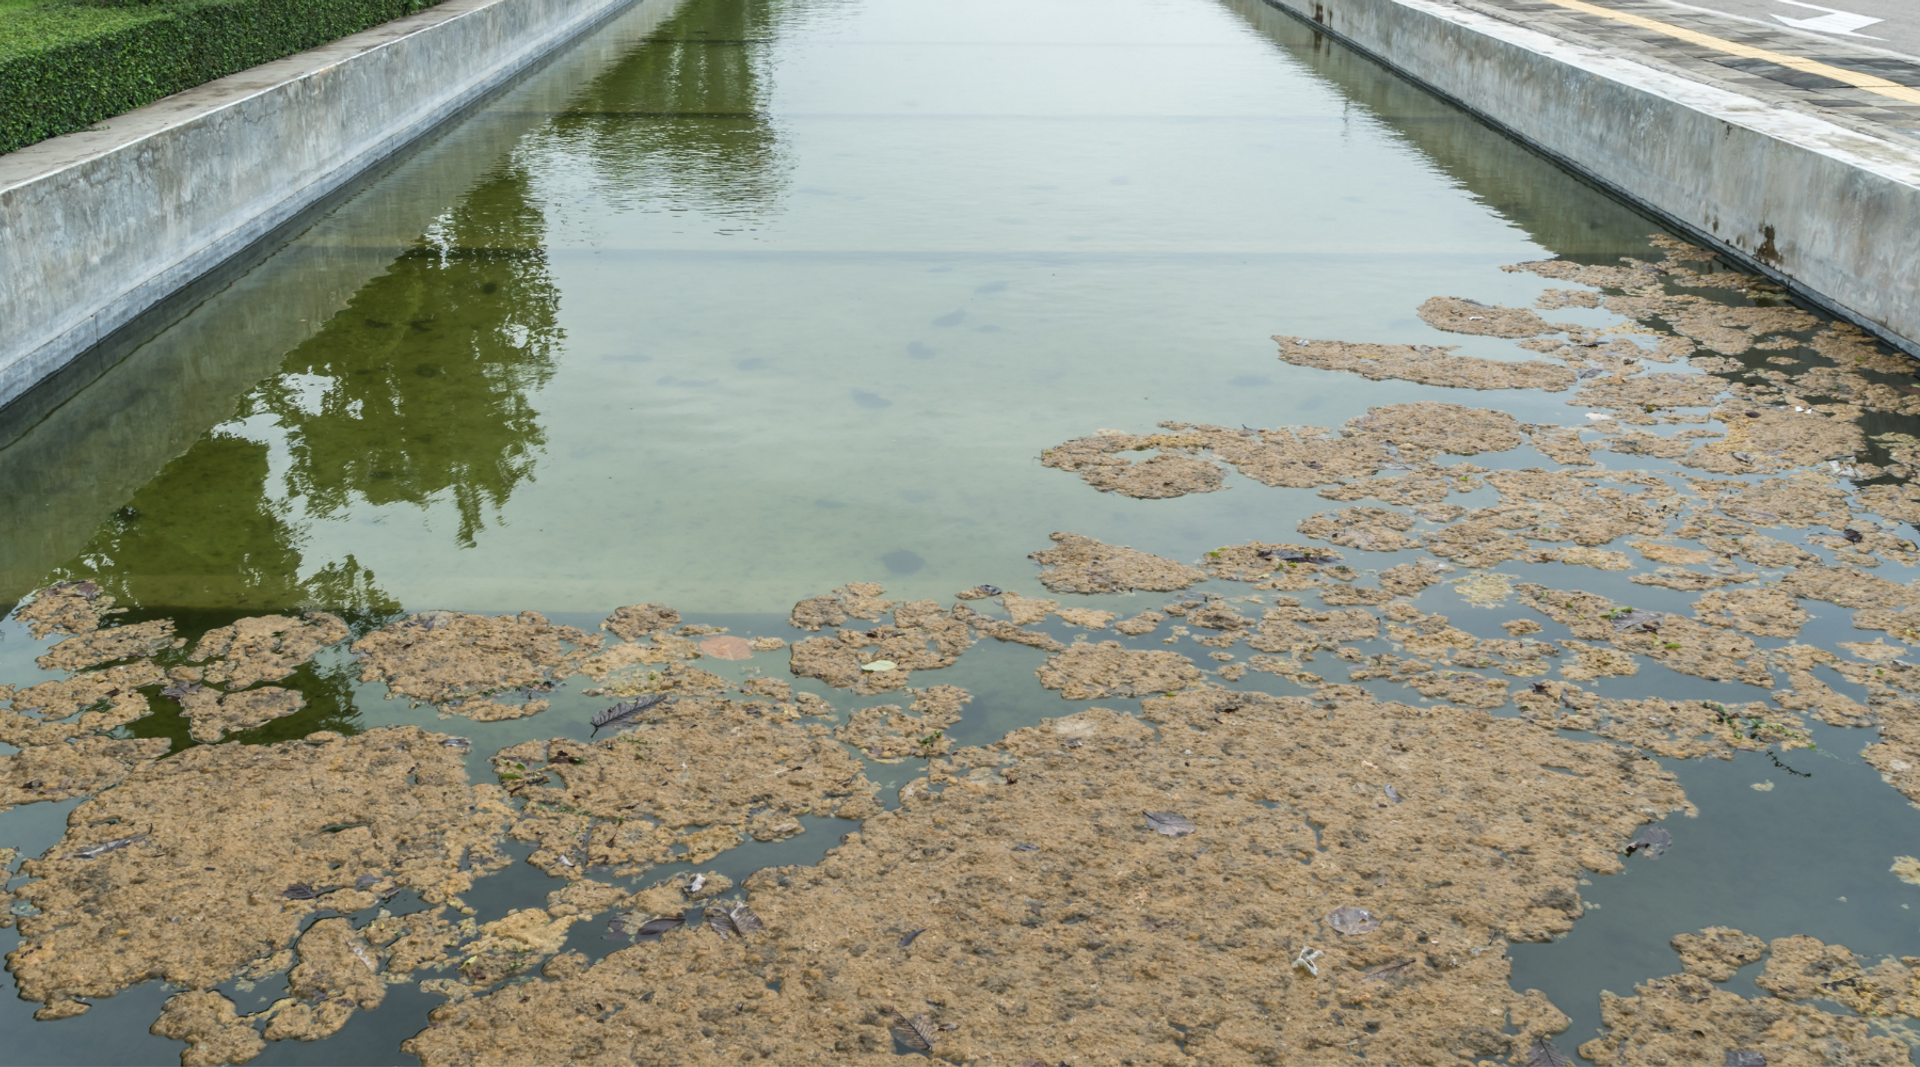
column 1832, row 213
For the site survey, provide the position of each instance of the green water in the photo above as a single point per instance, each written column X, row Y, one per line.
column 739, row 300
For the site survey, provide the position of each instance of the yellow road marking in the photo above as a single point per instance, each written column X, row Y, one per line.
column 1869, row 82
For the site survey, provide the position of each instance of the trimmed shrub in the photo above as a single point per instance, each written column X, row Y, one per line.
column 66, row 66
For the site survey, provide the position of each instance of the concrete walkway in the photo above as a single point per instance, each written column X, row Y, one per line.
column 1848, row 80
column 1893, row 24
column 1793, row 150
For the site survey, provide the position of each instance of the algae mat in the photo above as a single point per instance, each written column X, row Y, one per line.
column 1092, row 617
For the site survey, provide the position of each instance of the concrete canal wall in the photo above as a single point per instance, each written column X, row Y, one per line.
column 71, row 460
column 1832, row 212
column 98, row 227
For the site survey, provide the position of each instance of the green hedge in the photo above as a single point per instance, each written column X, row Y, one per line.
column 67, row 65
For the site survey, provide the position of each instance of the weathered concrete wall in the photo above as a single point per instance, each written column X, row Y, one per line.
column 1830, row 212
column 97, row 227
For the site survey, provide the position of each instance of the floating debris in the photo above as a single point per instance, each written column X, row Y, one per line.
column 917, row 1033
column 621, row 714
column 303, row 891
column 1632, row 620
column 888, row 734
column 634, row 925
column 1543, row 1053
column 1169, row 823
column 1386, row 971
column 1305, row 960
column 1652, row 840
column 907, row 939
column 96, row 851
column 726, row 647
column 178, row 691
column 1290, row 555
column 732, row 920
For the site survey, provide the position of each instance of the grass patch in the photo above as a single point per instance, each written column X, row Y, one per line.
column 67, row 64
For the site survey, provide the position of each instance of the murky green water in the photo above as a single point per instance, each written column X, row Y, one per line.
column 740, row 300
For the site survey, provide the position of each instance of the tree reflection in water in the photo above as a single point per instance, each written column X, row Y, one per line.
column 682, row 124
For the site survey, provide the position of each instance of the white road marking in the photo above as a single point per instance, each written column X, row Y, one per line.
column 1834, row 21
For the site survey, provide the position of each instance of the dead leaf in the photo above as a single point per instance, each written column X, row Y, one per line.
column 1169, row 823
column 918, row 1032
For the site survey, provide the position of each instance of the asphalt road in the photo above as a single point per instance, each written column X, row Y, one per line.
column 1893, row 25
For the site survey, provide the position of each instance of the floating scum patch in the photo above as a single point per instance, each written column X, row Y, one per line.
column 1426, row 364
column 1369, row 529
column 1459, row 315
column 1082, row 565
column 1685, row 1018
column 197, row 865
column 1173, row 941
column 95, row 647
column 264, row 649
column 44, row 714
column 213, row 715
column 69, row 608
column 458, row 662
column 1395, row 436
column 1088, row 671
column 692, row 779
column 71, row 769
column 921, row 637
column 1229, row 876
column 889, row 735
column 1173, row 471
